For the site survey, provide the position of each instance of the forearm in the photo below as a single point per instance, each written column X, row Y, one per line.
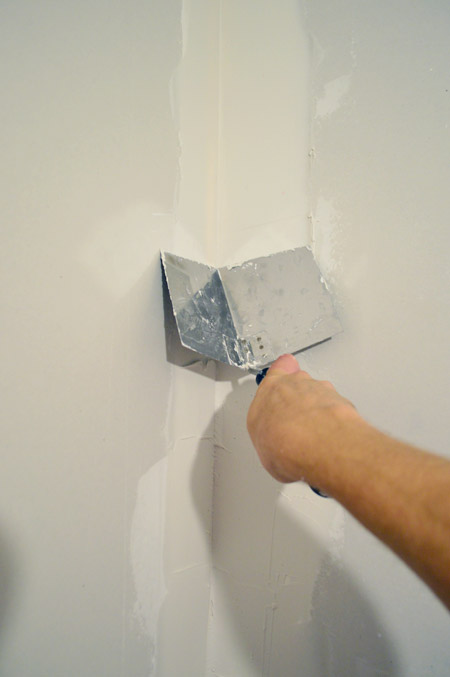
column 303, row 429
column 398, row 492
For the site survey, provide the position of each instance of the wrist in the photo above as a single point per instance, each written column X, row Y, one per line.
column 336, row 449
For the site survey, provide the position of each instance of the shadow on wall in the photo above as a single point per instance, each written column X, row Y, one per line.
column 283, row 603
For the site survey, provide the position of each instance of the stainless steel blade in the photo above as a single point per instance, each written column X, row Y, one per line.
column 248, row 315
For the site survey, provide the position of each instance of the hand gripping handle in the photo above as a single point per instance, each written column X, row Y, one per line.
column 259, row 377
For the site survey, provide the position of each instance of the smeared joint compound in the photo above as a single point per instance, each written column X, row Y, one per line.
column 333, row 96
column 268, row 638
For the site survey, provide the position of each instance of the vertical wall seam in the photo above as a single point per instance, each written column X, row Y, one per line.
column 216, row 241
column 219, row 133
column 311, row 150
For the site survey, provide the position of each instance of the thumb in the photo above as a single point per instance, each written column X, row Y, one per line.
column 286, row 364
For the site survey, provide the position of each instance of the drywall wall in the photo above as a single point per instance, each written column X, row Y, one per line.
column 380, row 145
column 98, row 431
column 334, row 130
column 183, row 620
column 263, row 133
column 221, row 131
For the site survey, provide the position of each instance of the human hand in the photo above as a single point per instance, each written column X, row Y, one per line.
column 292, row 421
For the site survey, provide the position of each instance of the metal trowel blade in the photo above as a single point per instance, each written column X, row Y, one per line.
column 248, row 315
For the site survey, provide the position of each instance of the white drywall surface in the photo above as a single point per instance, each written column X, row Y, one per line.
column 299, row 588
column 96, row 428
column 138, row 533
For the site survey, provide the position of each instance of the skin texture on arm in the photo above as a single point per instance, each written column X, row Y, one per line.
column 303, row 429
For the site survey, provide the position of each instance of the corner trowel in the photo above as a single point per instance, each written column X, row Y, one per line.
column 246, row 315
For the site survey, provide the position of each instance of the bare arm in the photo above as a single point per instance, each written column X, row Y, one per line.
column 303, row 429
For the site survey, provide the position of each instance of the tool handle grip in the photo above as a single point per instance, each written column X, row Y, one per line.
column 259, row 377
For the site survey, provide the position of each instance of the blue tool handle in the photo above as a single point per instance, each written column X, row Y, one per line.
column 259, row 377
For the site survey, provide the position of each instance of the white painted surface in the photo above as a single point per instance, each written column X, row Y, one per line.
column 91, row 410
column 263, row 133
column 299, row 587
column 220, row 130
column 380, row 214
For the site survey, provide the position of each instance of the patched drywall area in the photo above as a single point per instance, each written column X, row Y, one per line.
column 380, row 215
column 299, row 587
column 269, row 543
column 219, row 131
column 98, row 431
column 262, row 170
